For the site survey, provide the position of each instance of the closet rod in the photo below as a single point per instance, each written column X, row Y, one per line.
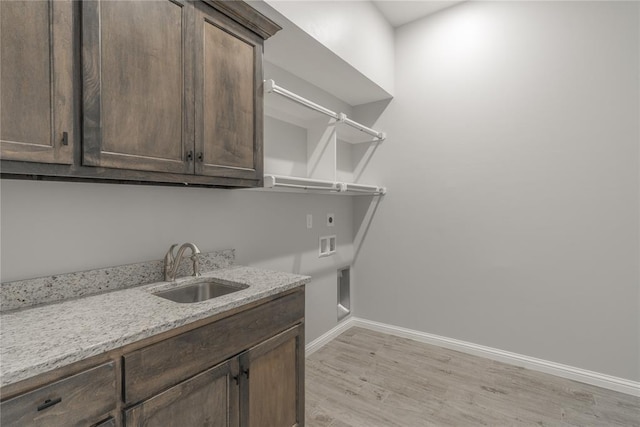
column 305, row 187
column 271, row 87
column 271, row 181
column 362, row 128
column 361, row 188
column 297, row 179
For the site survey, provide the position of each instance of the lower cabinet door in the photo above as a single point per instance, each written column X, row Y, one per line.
column 209, row 399
column 272, row 381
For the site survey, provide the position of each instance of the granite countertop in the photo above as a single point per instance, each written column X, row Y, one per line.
column 38, row 339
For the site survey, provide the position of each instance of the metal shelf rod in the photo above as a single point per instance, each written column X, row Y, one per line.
column 271, row 181
column 362, row 128
column 362, row 188
column 271, row 87
column 306, row 187
column 296, row 179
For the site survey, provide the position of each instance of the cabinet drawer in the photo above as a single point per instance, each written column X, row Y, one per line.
column 82, row 399
column 159, row 366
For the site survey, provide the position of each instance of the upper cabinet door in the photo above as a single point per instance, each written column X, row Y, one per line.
column 138, row 85
column 36, row 76
column 229, row 97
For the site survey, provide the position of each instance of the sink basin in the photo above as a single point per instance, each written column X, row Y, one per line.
column 199, row 291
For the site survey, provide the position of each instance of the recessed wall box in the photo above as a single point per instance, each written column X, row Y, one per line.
column 327, row 245
column 331, row 220
column 344, row 293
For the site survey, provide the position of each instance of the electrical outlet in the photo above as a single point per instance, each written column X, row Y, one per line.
column 309, row 221
column 331, row 220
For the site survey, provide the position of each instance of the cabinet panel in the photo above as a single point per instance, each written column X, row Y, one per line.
column 274, row 391
column 82, row 399
column 209, row 399
column 229, row 99
column 137, row 85
column 108, row 423
column 37, row 92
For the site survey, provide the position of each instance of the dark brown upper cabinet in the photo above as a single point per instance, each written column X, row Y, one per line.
column 137, row 85
column 165, row 91
column 171, row 86
column 36, row 76
column 229, row 97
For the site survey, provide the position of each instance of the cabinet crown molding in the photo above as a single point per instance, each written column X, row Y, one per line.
column 247, row 16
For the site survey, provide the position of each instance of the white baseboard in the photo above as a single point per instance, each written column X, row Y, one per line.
column 324, row 339
column 569, row 372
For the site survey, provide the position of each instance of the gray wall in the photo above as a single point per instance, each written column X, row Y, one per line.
column 512, row 165
column 512, row 214
column 55, row 227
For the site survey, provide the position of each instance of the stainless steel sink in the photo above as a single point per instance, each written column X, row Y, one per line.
column 199, row 291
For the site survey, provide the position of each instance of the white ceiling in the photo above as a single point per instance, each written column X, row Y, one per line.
column 400, row 12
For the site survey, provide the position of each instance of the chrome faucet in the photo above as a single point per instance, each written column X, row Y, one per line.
column 171, row 263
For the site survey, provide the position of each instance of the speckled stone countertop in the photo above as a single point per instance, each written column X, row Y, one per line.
column 41, row 338
column 61, row 287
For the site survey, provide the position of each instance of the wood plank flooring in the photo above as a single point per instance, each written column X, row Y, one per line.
column 368, row 379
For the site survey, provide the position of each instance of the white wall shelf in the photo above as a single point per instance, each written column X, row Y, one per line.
column 348, row 130
column 296, row 183
column 328, row 156
column 303, row 55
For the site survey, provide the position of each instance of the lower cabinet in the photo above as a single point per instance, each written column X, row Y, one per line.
column 262, row 387
column 244, row 370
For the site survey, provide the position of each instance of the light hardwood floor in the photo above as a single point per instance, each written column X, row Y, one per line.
column 368, row 379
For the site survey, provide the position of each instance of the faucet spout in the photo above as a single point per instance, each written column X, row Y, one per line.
column 172, row 263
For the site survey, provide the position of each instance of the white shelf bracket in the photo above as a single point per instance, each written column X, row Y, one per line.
column 269, row 181
column 268, row 86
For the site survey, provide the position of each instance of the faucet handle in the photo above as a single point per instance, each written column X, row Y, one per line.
column 196, row 264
